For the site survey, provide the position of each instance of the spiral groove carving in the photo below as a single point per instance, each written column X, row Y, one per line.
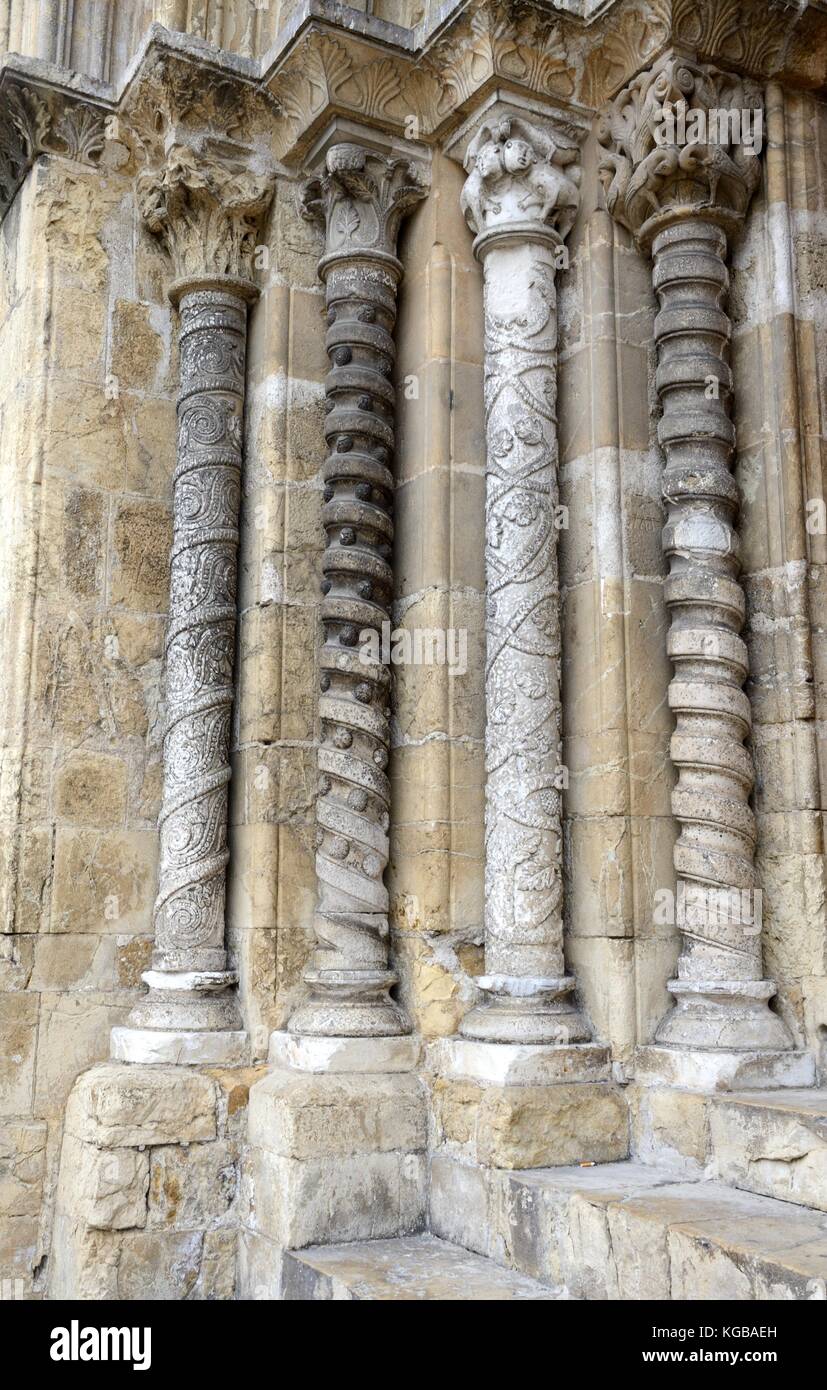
column 682, row 199
column 207, row 212
column 716, row 844
column 200, row 640
column 354, row 793
column 361, row 201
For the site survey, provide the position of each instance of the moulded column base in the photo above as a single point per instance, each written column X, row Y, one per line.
column 521, row 1009
column 724, row 1014
column 349, row 1004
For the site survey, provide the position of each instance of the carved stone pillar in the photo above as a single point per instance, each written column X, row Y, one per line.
column 360, row 200
column 683, row 198
column 520, row 199
column 208, row 218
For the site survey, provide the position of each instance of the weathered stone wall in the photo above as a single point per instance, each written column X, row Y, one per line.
column 271, row 881
column 438, row 768
column 150, row 1195
column 780, row 362
column 87, row 451
column 619, row 832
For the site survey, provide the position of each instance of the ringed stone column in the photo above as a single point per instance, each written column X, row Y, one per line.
column 208, row 218
column 360, row 199
column 683, row 199
column 520, row 199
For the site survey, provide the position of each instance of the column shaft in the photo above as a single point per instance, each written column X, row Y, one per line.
column 683, row 196
column 360, row 200
column 521, row 203
column 208, row 214
column 719, row 989
column 189, row 980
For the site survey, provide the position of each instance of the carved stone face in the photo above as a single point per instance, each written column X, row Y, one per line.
column 489, row 161
column 518, row 155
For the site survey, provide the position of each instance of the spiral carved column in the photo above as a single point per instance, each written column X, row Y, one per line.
column 189, row 1014
column 520, row 199
column 360, row 200
column 683, row 202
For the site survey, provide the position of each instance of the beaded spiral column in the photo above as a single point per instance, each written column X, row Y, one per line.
column 360, row 201
column 520, row 199
column 683, row 201
column 190, row 1014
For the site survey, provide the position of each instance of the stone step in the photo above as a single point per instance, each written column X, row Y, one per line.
column 627, row 1231
column 773, row 1143
column 412, row 1267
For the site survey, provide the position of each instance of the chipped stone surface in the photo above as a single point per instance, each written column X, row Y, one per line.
column 113, row 1105
column 625, row 1231
column 532, row 1126
column 105, row 1188
column 302, row 1115
column 419, row 1268
column 773, row 1143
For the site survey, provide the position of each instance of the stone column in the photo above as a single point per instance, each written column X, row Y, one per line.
column 683, row 189
column 360, row 200
column 208, row 218
column 520, row 199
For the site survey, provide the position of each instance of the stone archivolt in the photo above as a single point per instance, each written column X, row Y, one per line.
column 360, row 200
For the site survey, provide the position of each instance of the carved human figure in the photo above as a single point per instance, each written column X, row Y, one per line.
column 519, row 198
column 683, row 201
column 360, row 200
column 208, row 219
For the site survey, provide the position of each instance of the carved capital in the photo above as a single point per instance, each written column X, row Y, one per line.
column 361, row 198
column 682, row 140
column 207, row 208
column 42, row 121
column 521, row 179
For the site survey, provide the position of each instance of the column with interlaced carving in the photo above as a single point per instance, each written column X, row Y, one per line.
column 208, row 218
column 520, row 199
column 683, row 187
column 360, row 200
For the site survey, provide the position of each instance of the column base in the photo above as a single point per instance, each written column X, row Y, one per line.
column 349, row 1004
column 326, row 1054
column 187, row 1001
column 526, row 1010
column 520, row 1064
column 723, row 1069
column 181, row 1048
column 724, row 1014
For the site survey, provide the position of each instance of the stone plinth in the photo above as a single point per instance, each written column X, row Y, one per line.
column 332, row 1157
column 517, row 1127
column 320, row 1054
column 723, row 1069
